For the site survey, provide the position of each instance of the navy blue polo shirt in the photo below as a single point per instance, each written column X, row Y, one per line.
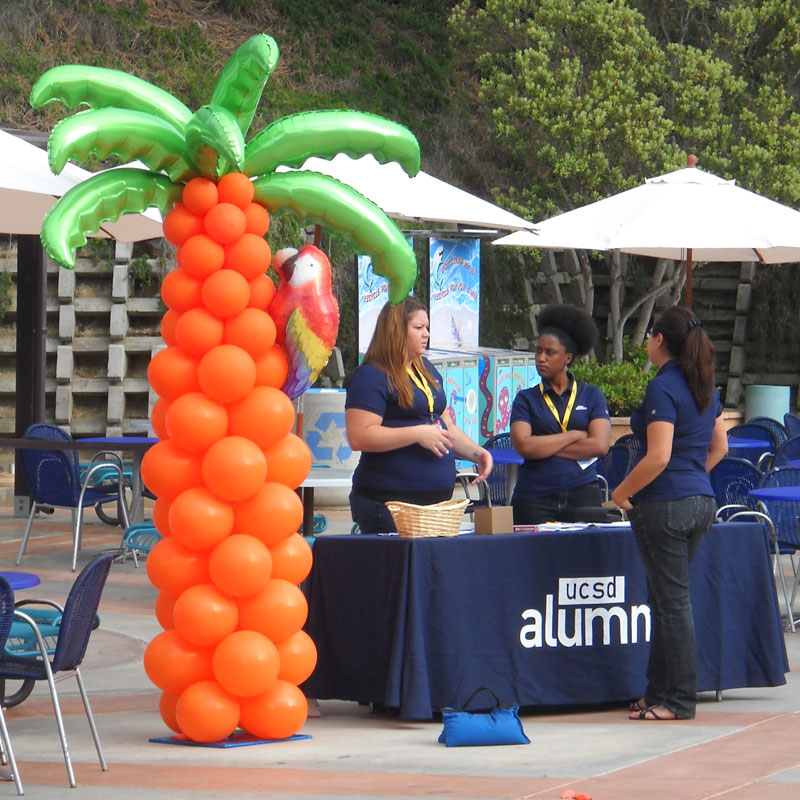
column 542, row 476
column 668, row 399
column 408, row 469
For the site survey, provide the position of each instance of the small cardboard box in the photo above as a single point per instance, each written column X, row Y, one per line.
column 497, row 519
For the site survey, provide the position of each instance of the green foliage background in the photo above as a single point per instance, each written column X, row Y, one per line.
column 540, row 105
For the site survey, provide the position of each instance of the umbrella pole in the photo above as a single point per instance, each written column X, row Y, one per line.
column 688, row 291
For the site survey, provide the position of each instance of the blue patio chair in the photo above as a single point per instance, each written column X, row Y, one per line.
column 495, row 484
column 732, row 479
column 6, row 619
column 788, row 451
column 781, row 516
column 777, row 430
column 752, row 430
column 792, row 423
column 77, row 622
column 139, row 538
column 614, row 465
column 54, row 480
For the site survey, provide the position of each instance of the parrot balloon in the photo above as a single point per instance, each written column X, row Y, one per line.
column 305, row 313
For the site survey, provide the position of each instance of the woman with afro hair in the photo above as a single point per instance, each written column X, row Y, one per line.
column 560, row 427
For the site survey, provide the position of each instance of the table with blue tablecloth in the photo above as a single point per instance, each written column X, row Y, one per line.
column 749, row 449
column 419, row 624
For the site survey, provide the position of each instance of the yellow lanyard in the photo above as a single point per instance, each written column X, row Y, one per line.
column 422, row 384
column 572, row 395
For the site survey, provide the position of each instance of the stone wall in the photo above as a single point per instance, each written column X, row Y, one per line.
column 100, row 339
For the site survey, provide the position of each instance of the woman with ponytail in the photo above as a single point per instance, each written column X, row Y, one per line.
column 670, row 502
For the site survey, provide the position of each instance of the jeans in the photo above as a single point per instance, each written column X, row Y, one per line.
column 668, row 533
column 370, row 515
column 560, row 507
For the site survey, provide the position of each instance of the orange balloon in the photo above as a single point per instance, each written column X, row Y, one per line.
column 199, row 519
column 277, row 714
column 225, row 223
column 262, row 290
column 194, row 422
column 180, row 291
column 250, row 255
column 172, row 372
column 226, row 373
column 167, row 470
column 278, row 610
column 173, row 568
column 272, row 368
column 166, row 707
column 298, row 657
column 206, row 712
column 157, row 417
column 161, row 515
column 168, row 323
column 245, row 663
column 165, row 603
column 226, row 293
column 264, row 416
column 197, row 331
column 257, row 219
column 180, row 224
column 240, row 565
column 288, row 460
column 272, row 514
column 253, row 330
column 291, row 559
column 204, row 616
column 201, row 255
column 172, row 663
column 199, row 195
column 236, row 188
column 234, row 468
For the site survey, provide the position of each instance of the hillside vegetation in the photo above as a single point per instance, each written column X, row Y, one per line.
column 539, row 105
column 389, row 58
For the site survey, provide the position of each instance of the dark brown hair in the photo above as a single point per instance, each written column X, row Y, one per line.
column 388, row 349
column 688, row 343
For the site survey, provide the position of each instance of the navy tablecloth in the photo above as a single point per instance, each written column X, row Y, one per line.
column 419, row 624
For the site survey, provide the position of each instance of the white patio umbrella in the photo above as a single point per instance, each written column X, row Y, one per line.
column 28, row 189
column 422, row 197
column 687, row 215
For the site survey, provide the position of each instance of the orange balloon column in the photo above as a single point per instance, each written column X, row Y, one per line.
column 233, row 650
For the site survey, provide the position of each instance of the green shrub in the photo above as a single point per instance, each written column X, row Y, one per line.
column 622, row 384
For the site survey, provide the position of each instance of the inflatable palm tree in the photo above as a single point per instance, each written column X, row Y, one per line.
column 232, row 652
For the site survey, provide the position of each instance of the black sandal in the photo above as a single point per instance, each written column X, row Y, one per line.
column 650, row 715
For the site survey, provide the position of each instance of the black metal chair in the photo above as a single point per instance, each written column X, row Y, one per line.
column 54, row 480
column 77, row 622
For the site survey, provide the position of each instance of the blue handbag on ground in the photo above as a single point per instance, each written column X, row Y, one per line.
column 470, row 728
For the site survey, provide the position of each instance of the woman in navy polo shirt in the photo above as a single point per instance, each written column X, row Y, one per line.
column 670, row 502
column 393, row 415
column 560, row 427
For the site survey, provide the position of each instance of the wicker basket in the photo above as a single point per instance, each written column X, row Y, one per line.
column 439, row 519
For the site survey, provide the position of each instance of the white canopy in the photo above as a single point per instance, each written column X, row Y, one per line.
column 422, row 197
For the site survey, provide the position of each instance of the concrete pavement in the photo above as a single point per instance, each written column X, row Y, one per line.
column 745, row 748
